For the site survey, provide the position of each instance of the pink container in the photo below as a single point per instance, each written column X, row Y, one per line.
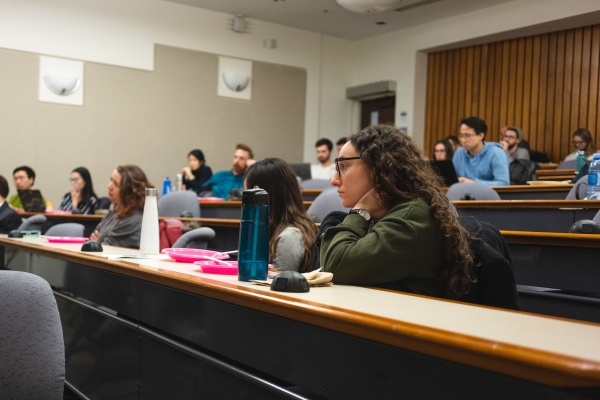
column 192, row 255
column 66, row 239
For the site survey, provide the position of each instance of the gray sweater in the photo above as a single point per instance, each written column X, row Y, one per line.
column 122, row 232
column 289, row 253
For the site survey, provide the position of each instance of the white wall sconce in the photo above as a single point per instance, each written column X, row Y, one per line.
column 61, row 84
column 234, row 81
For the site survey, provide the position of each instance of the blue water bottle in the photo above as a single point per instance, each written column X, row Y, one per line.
column 253, row 251
column 593, row 190
column 166, row 186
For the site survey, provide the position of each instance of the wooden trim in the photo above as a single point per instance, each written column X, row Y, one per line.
column 534, row 365
column 512, row 204
column 552, row 239
column 544, row 172
column 234, row 204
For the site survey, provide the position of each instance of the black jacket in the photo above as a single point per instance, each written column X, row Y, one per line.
column 9, row 219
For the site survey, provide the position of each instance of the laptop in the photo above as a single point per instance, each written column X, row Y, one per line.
column 32, row 200
column 302, row 170
column 446, row 170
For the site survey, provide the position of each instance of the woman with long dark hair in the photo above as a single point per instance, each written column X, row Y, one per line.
column 82, row 196
column 401, row 233
column 443, row 150
column 197, row 172
column 292, row 232
column 122, row 226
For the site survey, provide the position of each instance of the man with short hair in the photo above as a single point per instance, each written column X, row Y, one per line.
column 340, row 143
column 477, row 160
column 9, row 219
column 23, row 177
column 511, row 138
column 326, row 168
column 222, row 182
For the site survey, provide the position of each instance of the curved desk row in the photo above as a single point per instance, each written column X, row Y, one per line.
column 153, row 328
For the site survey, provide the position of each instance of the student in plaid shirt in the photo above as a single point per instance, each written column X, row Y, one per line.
column 222, row 182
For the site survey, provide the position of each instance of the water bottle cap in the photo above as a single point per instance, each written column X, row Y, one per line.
column 597, row 156
column 151, row 192
column 256, row 196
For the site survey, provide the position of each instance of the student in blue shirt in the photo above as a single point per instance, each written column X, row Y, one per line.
column 222, row 182
column 479, row 161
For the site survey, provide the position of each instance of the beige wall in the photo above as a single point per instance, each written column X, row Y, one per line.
column 149, row 118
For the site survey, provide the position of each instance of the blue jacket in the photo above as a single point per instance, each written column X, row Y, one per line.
column 488, row 167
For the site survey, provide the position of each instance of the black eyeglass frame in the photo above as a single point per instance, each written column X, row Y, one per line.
column 337, row 160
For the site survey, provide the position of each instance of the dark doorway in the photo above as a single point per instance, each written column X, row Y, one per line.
column 378, row 111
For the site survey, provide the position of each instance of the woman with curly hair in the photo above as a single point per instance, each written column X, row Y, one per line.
column 401, row 233
column 292, row 232
column 122, row 226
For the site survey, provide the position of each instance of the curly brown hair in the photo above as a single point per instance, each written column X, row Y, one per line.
column 132, row 189
column 399, row 171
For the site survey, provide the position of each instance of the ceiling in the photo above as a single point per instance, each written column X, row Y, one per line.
column 326, row 17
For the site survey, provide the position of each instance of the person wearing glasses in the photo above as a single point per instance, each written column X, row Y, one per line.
column 479, row 161
column 443, row 150
column 511, row 137
column 81, row 199
column 582, row 140
column 401, row 232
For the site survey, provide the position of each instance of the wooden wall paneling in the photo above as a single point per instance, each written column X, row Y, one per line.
column 585, row 76
column 429, row 102
column 503, row 63
column 566, row 122
column 456, row 69
column 535, row 87
column 448, row 91
column 527, row 63
column 594, row 81
column 519, row 87
column 476, row 81
column 558, row 136
column 512, row 86
column 468, row 82
column 576, row 84
column 550, row 96
column 483, row 82
column 543, row 73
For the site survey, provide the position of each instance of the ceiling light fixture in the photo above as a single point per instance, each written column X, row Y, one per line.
column 367, row 6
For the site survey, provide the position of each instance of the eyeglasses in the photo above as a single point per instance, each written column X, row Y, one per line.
column 466, row 136
column 74, row 180
column 337, row 163
column 509, row 137
column 578, row 142
column 439, row 151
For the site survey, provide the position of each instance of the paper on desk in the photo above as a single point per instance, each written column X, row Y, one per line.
column 139, row 256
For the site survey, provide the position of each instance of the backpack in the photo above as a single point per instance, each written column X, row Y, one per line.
column 170, row 230
column 521, row 171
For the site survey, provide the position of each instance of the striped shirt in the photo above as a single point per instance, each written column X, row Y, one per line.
column 85, row 207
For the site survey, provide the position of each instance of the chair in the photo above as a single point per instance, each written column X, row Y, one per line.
column 66, row 229
column 31, row 339
column 315, row 184
column 174, row 203
column 596, row 218
column 103, row 203
column 196, row 239
column 571, row 164
column 326, row 202
column 460, row 190
column 579, row 190
column 33, row 223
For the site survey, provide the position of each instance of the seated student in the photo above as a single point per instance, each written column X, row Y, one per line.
column 443, row 150
column 82, row 196
column 511, row 137
column 582, row 140
column 401, row 233
column 479, row 161
column 222, row 182
column 122, row 226
column 24, row 177
column 292, row 231
column 197, row 172
column 9, row 219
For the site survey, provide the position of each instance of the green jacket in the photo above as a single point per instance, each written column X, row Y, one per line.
column 402, row 251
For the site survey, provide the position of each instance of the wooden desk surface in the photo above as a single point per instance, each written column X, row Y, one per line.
column 551, row 351
column 546, row 172
column 234, row 203
column 512, row 204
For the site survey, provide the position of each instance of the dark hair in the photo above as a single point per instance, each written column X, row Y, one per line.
column 132, row 189
column 326, row 142
column 285, row 202
column 341, row 141
column 447, row 147
column 30, row 173
column 245, row 147
column 198, row 154
column 453, row 139
column 586, row 136
column 3, row 187
column 88, row 189
column 477, row 124
column 518, row 131
column 399, row 171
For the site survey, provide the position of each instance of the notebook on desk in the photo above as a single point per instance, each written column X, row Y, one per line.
column 32, row 200
column 446, row 170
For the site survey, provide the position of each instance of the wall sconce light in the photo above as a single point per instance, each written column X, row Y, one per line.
column 235, row 82
column 61, row 85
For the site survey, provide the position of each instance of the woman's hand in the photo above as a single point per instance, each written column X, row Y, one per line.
column 372, row 203
column 94, row 235
column 187, row 171
column 75, row 197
